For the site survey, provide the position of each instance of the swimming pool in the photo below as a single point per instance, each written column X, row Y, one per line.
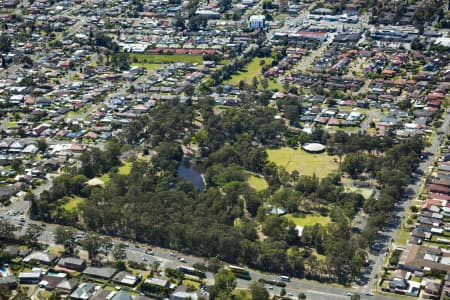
column 5, row 271
column 55, row 274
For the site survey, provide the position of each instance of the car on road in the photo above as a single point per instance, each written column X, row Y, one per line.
column 182, row 259
column 348, row 294
column 149, row 251
column 369, row 294
column 172, row 254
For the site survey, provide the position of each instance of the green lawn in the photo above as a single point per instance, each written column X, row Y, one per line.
column 148, row 66
column 164, row 58
column 45, row 295
column 305, row 163
column 193, row 283
column 309, row 220
column 402, row 236
column 125, row 169
column 257, row 183
column 73, row 203
column 122, row 170
column 11, row 124
column 365, row 192
column 253, row 69
column 105, row 178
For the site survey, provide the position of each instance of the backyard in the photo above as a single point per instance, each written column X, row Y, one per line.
column 305, row 163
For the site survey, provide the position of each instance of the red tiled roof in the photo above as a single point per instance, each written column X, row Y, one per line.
column 438, row 196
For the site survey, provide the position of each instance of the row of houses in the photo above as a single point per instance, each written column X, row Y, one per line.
column 60, row 274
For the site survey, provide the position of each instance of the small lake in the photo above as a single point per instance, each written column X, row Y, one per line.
column 187, row 170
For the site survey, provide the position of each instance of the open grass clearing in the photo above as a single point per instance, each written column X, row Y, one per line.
column 305, row 163
column 164, row 58
column 56, row 250
column 147, row 66
column 257, row 183
column 73, row 203
column 365, row 192
column 309, row 220
column 105, row 178
column 253, row 69
column 125, row 169
column 218, row 109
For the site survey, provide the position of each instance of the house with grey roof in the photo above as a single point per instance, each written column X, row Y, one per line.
column 100, row 272
column 67, row 286
column 72, row 263
column 40, row 256
column 84, row 292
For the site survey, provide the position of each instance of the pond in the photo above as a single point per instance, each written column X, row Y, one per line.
column 187, row 170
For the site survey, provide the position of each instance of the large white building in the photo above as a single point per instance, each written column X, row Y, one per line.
column 257, row 22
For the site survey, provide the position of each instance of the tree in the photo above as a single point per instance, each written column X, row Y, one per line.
column 6, row 230
column 66, row 237
column 5, row 43
column 283, row 292
column 264, row 83
column 241, row 84
column 225, row 281
column 16, row 164
column 355, row 296
column 5, row 257
column 214, row 265
column 131, row 89
column 92, row 244
column 189, row 90
column 258, row 291
column 255, row 82
column 301, row 296
column 5, row 292
column 32, row 233
column 119, row 252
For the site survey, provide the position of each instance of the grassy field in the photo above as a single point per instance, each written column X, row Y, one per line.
column 148, row 66
column 164, row 58
column 253, row 69
column 309, row 220
column 305, row 163
column 73, row 203
column 365, row 192
column 122, row 170
column 259, row 184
